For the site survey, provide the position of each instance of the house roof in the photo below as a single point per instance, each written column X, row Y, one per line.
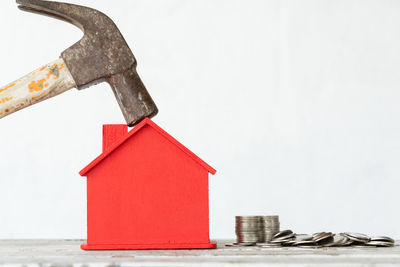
column 136, row 129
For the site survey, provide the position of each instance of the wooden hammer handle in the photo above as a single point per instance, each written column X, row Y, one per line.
column 46, row 82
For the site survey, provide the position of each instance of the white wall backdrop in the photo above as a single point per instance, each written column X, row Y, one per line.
column 295, row 103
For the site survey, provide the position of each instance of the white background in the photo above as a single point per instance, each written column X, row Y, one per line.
column 295, row 103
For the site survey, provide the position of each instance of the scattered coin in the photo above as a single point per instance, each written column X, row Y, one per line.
column 380, row 244
column 321, row 236
column 337, row 241
column 357, row 237
column 300, row 237
column 348, row 242
column 289, row 236
column 289, row 242
column 283, row 233
column 382, row 238
column 317, row 234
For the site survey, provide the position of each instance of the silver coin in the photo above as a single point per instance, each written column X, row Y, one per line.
column 289, row 243
column 337, row 241
column 289, row 236
column 357, row 237
column 283, row 233
column 382, row 238
column 321, row 236
column 300, row 237
column 357, row 243
column 348, row 242
column 268, row 244
column 317, row 234
column 380, row 244
column 326, row 241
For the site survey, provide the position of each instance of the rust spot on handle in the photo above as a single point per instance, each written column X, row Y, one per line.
column 55, row 71
column 9, row 109
column 5, row 99
column 36, row 86
column 37, row 97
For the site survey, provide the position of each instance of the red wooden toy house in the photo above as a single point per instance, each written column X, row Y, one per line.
column 146, row 191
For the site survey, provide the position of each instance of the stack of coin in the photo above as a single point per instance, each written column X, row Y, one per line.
column 269, row 227
column 248, row 229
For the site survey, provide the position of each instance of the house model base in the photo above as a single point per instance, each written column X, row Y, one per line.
column 146, row 191
column 149, row 246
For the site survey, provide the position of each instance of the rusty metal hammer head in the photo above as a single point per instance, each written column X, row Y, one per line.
column 101, row 55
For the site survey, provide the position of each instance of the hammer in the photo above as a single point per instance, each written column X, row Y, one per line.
column 101, row 55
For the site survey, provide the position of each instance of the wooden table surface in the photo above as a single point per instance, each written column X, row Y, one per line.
column 43, row 253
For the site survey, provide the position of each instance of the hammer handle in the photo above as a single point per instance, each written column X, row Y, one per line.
column 46, row 82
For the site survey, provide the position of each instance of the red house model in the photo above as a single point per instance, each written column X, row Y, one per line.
column 146, row 191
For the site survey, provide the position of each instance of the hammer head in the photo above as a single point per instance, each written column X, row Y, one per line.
column 101, row 55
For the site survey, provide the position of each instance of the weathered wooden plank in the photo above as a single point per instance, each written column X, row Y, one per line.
column 32, row 253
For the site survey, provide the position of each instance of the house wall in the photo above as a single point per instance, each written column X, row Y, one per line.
column 148, row 191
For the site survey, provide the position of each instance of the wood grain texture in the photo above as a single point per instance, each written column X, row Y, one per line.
column 43, row 83
column 51, row 253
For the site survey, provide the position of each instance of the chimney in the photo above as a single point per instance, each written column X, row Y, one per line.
column 112, row 133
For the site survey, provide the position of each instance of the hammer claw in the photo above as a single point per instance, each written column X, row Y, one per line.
column 49, row 14
column 68, row 12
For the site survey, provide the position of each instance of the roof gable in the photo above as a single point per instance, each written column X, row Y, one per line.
column 131, row 133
